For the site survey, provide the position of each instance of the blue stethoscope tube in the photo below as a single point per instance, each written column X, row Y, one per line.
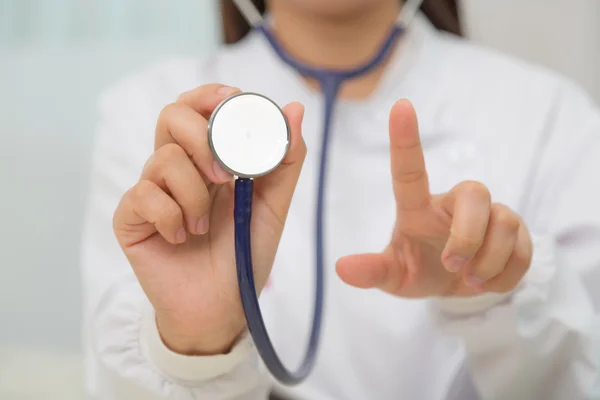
column 330, row 82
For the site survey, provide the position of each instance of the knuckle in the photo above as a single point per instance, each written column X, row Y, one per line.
column 504, row 218
column 149, row 165
column 168, row 111
column 303, row 150
column 183, row 97
column 487, row 273
column 475, row 188
column 303, row 147
column 169, row 152
column 160, row 161
column 411, row 146
column 408, row 177
column 522, row 260
column 142, row 192
column 172, row 213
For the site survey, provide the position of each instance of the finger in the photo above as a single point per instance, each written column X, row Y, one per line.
column 516, row 266
column 180, row 124
column 144, row 210
column 411, row 186
column 365, row 271
column 206, row 98
column 498, row 245
column 276, row 189
column 172, row 170
column 469, row 204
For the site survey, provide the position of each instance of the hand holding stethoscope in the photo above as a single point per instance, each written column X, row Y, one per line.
column 176, row 225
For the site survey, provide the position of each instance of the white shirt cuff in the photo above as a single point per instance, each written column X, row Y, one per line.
column 189, row 368
column 463, row 306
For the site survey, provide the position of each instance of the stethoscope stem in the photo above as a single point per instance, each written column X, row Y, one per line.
column 244, row 189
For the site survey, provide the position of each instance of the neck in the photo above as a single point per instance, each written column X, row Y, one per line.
column 340, row 41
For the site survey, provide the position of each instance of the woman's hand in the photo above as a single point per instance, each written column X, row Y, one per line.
column 455, row 244
column 176, row 225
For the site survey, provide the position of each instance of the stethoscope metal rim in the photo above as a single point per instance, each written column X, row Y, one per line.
column 213, row 150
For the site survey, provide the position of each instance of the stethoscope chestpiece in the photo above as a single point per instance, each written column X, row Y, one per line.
column 248, row 135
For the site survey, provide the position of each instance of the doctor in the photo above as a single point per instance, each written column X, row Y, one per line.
column 463, row 225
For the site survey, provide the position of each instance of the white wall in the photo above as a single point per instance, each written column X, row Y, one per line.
column 561, row 34
column 47, row 111
column 53, row 64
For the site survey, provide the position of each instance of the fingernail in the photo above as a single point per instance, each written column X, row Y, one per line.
column 202, row 225
column 180, row 235
column 226, row 90
column 455, row 263
column 220, row 173
column 473, row 281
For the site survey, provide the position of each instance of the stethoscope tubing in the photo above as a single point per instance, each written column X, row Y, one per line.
column 330, row 82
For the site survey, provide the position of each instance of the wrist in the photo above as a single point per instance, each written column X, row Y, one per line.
column 192, row 369
column 190, row 342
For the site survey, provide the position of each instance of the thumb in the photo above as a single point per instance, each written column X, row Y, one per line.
column 366, row 271
column 277, row 187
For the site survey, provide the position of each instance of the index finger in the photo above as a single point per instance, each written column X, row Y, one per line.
column 204, row 99
column 411, row 185
column 185, row 123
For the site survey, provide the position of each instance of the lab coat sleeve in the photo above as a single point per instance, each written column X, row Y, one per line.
column 125, row 357
column 541, row 340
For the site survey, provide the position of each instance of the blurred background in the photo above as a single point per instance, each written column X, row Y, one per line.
column 57, row 55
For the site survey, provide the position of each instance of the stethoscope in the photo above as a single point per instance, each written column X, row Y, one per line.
column 249, row 136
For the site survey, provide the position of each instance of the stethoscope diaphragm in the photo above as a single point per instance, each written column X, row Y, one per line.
column 248, row 135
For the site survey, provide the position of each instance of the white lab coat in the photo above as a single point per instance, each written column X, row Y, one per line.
column 530, row 136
